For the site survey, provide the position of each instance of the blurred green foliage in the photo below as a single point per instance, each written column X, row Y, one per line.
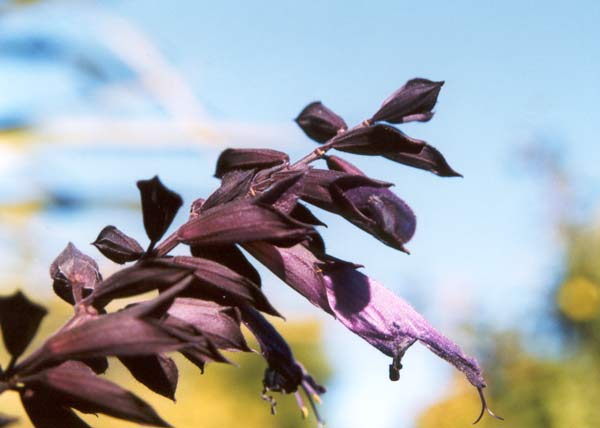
column 223, row 396
column 544, row 391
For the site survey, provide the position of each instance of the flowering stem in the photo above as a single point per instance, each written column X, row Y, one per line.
column 172, row 240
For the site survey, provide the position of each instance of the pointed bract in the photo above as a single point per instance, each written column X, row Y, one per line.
column 218, row 283
column 336, row 163
column 234, row 185
column 428, row 159
column 412, row 102
column 246, row 159
column 157, row 372
column 75, row 385
column 393, row 144
column 297, row 266
column 74, row 274
column 117, row 334
column 283, row 194
column 220, row 324
column 137, row 279
column 20, row 319
column 377, row 210
column 243, row 221
column 230, row 256
column 319, row 122
column 201, row 349
column 45, row 412
column 303, row 214
column 117, row 246
column 159, row 207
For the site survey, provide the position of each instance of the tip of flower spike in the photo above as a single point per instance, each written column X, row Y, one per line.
column 485, row 408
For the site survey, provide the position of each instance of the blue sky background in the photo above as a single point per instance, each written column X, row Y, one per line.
column 516, row 72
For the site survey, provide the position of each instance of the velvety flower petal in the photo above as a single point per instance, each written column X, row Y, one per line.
column 225, row 286
column 158, row 372
column 74, row 274
column 243, row 221
column 317, row 187
column 412, row 102
column 319, row 122
column 364, row 306
column 391, row 143
column 220, row 324
column 377, row 210
column 45, row 411
column 365, row 202
column 388, row 322
column 117, row 246
column 20, row 319
column 77, row 386
column 284, row 373
column 236, row 159
column 159, row 207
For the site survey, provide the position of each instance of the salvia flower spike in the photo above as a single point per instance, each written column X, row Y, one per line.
column 202, row 298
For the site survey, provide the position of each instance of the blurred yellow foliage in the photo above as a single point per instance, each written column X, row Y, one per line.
column 578, row 299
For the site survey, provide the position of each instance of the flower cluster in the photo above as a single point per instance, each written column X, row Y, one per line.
column 204, row 297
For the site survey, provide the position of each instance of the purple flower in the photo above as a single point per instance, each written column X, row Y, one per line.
column 365, row 202
column 365, row 307
column 284, row 373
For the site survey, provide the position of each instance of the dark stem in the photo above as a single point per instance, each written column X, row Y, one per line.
column 11, row 365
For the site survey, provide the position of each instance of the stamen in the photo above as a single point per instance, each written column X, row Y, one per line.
column 320, row 422
column 311, row 391
column 485, row 408
column 269, row 399
column 303, row 408
column 320, row 152
column 252, row 191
